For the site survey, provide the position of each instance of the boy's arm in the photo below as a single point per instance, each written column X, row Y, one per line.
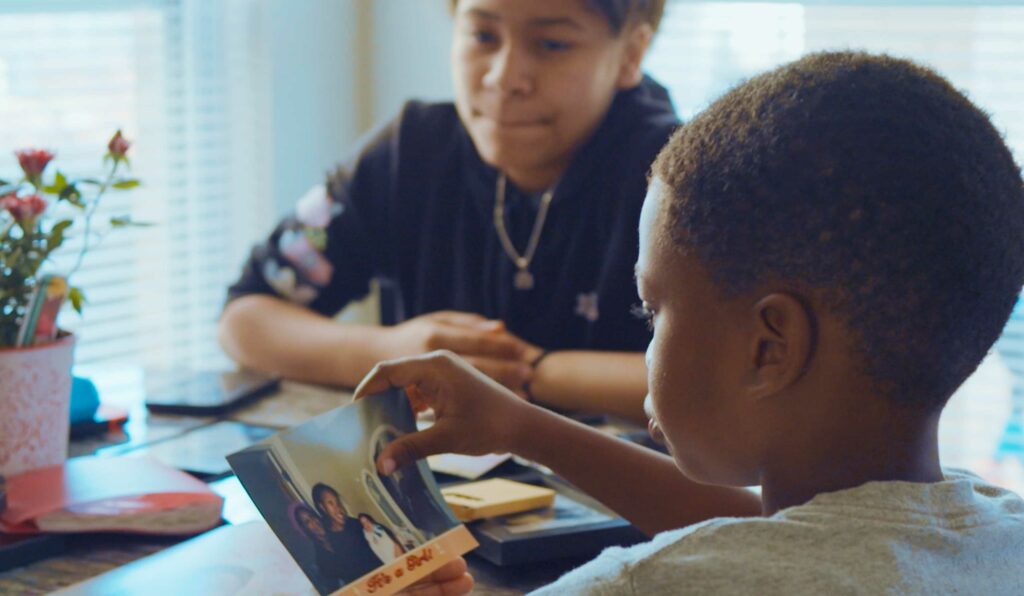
column 474, row 416
column 640, row 484
column 591, row 381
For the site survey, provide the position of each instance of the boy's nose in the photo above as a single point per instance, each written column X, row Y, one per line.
column 510, row 71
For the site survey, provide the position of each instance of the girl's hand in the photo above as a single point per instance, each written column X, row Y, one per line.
column 473, row 414
column 485, row 343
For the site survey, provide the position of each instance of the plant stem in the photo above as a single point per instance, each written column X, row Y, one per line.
column 90, row 211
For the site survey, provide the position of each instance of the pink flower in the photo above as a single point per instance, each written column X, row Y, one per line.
column 118, row 146
column 33, row 162
column 24, row 209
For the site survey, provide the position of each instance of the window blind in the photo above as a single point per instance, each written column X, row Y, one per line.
column 185, row 80
column 704, row 48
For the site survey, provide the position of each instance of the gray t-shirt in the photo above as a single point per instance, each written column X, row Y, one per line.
column 959, row 536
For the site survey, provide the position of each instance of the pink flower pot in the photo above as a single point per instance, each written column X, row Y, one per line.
column 35, row 395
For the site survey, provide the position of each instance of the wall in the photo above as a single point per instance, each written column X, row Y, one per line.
column 339, row 67
column 408, row 54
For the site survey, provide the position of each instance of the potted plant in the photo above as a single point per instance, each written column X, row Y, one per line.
column 38, row 212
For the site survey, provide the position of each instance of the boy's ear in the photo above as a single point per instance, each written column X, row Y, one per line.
column 782, row 344
column 638, row 40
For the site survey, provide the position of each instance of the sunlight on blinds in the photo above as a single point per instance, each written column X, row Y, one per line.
column 704, row 48
column 183, row 80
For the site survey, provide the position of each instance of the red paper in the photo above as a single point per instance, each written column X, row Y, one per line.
column 116, row 493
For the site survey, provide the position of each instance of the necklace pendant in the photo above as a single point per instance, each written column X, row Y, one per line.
column 523, row 280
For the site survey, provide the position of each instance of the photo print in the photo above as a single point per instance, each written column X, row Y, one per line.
column 318, row 488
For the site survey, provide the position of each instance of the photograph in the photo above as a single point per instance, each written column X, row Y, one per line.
column 318, row 488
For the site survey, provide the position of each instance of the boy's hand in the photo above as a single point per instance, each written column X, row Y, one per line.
column 451, row 579
column 473, row 414
column 485, row 343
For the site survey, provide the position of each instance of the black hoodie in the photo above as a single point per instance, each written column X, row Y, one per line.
column 414, row 209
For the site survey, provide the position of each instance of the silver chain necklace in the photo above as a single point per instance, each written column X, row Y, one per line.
column 523, row 279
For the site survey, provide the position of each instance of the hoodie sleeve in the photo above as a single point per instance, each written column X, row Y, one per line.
column 324, row 254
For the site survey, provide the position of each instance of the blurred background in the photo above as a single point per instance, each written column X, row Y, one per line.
column 237, row 107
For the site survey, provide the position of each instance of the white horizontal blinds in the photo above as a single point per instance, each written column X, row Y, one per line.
column 217, row 197
column 704, row 48
column 69, row 77
column 165, row 72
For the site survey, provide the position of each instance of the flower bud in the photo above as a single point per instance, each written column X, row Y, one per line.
column 24, row 209
column 118, row 146
column 33, row 162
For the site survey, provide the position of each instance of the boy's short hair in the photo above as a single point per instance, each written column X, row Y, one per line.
column 620, row 12
column 871, row 181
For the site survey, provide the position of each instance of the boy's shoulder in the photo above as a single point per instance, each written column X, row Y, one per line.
column 870, row 538
column 719, row 556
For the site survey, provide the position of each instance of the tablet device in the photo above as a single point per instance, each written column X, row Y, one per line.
column 201, row 452
column 204, row 393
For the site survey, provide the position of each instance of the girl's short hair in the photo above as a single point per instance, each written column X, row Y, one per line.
column 620, row 12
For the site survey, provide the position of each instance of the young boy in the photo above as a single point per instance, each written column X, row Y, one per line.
column 826, row 253
column 505, row 223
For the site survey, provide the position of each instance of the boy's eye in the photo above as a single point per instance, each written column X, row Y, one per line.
column 642, row 312
column 554, row 45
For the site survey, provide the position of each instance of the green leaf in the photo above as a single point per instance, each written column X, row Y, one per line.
column 77, row 298
column 56, row 237
column 126, row 183
column 125, row 221
column 59, row 184
column 70, row 194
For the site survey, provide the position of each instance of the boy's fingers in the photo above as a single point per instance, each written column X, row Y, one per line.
column 416, row 370
column 451, row 579
column 458, row 586
column 450, row 570
column 410, row 448
column 455, row 587
column 371, row 383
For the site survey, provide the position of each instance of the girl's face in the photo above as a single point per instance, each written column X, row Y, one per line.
column 312, row 524
column 534, row 78
column 696, row 358
column 367, row 525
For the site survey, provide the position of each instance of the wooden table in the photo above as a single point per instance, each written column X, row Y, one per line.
column 90, row 555
column 970, row 437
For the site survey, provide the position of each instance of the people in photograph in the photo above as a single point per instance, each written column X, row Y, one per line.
column 381, row 540
column 827, row 252
column 330, row 567
column 503, row 224
column 344, row 533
